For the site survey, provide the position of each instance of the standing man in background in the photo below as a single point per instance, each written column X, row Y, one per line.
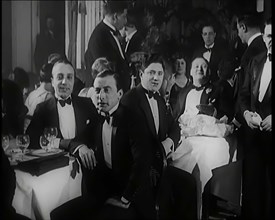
column 46, row 43
column 105, row 40
column 255, row 103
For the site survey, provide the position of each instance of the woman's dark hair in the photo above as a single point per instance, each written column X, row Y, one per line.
column 112, row 6
column 21, row 77
column 46, row 73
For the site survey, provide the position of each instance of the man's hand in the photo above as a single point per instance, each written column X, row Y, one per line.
column 87, row 157
column 117, row 202
column 266, row 124
column 250, row 121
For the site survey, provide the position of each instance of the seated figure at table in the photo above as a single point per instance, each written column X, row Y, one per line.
column 67, row 112
column 123, row 172
column 42, row 93
column 196, row 93
column 13, row 109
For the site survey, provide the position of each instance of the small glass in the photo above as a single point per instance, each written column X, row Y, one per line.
column 5, row 142
column 44, row 143
column 23, row 141
column 50, row 133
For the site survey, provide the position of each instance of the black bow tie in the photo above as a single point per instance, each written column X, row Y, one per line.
column 151, row 94
column 209, row 49
column 105, row 117
column 270, row 57
column 198, row 88
column 115, row 32
column 66, row 101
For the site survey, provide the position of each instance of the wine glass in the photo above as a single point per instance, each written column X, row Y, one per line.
column 5, row 142
column 23, row 141
column 51, row 134
column 44, row 142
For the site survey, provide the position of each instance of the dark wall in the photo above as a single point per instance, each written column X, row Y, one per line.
column 6, row 39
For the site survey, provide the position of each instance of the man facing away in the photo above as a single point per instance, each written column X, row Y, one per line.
column 105, row 40
column 255, row 104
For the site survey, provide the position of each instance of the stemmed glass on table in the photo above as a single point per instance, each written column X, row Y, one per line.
column 23, row 141
column 50, row 133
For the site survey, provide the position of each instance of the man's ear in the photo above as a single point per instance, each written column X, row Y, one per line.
column 244, row 27
column 120, row 93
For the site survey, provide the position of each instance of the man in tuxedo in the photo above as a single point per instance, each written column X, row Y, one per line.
column 248, row 26
column 160, row 135
column 198, row 92
column 105, row 40
column 255, row 104
column 134, row 37
column 212, row 50
column 70, row 114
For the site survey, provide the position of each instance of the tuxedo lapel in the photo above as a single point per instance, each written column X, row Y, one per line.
column 162, row 116
column 53, row 117
column 113, row 41
column 147, row 109
column 256, row 77
column 77, row 114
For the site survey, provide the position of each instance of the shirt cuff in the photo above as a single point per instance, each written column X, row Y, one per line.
column 168, row 145
column 76, row 149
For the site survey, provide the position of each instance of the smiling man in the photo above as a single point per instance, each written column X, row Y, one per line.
column 70, row 114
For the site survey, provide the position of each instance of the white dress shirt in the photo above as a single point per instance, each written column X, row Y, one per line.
column 66, row 120
column 207, row 54
column 116, row 39
column 128, row 38
column 107, row 129
column 265, row 79
column 193, row 99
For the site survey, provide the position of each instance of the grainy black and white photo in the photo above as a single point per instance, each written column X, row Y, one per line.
column 136, row 109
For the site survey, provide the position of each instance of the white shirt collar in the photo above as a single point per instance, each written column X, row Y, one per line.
column 108, row 24
column 111, row 111
column 209, row 47
column 252, row 38
column 58, row 97
column 129, row 37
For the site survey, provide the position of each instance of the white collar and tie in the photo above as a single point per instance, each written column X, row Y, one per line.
column 265, row 79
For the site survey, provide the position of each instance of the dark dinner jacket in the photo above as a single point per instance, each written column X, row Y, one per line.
column 207, row 93
column 128, row 167
column 46, row 115
column 134, row 44
column 256, row 47
column 103, row 44
column 218, row 51
column 250, row 90
column 137, row 101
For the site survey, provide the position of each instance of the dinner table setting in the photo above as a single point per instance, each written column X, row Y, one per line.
column 45, row 178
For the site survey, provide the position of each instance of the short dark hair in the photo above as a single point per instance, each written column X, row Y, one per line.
column 46, row 73
column 52, row 58
column 154, row 58
column 110, row 73
column 113, row 6
column 65, row 61
column 209, row 24
column 132, row 17
column 250, row 19
column 21, row 77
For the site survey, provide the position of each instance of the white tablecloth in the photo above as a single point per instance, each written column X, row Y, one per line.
column 36, row 196
column 206, row 152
